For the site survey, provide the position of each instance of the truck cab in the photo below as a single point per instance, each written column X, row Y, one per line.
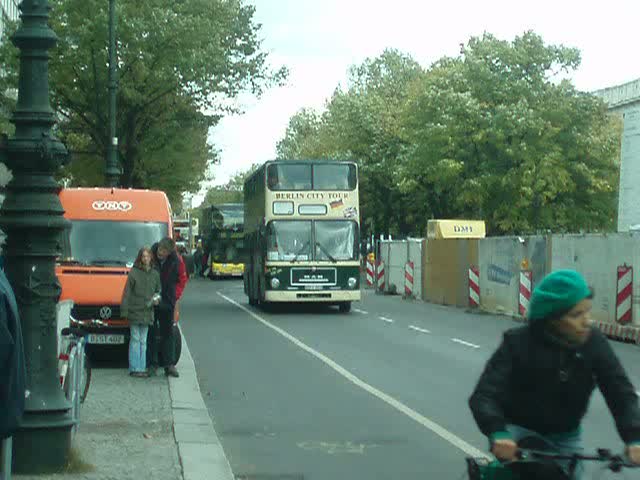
column 108, row 227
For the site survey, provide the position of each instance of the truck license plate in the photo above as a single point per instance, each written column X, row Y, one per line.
column 105, row 339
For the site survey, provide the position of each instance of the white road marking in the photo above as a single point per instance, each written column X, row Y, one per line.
column 385, row 319
column 357, row 310
column 454, row 440
column 418, row 329
column 472, row 345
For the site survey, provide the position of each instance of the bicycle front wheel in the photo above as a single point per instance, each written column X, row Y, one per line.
column 85, row 379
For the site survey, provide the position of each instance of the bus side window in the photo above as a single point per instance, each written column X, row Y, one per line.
column 272, row 176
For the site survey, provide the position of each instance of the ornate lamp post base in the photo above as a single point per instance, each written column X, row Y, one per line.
column 32, row 218
column 43, row 449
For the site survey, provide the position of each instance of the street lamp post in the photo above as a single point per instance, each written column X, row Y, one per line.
column 112, row 170
column 32, row 218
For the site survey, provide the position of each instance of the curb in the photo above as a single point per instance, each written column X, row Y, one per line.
column 201, row 454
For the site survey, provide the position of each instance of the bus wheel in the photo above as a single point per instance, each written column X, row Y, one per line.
column 344, row 307
column 253, row 300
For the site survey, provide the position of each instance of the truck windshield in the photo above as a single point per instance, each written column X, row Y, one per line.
column 90, row 242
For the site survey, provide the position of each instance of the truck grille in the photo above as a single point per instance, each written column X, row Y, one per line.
column 89, row 312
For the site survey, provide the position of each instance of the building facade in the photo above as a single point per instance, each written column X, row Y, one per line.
column 624, row 100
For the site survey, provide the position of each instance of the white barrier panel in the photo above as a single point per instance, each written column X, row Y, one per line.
column 408, row 279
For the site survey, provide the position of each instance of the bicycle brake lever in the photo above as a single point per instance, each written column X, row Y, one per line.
column 604, row 452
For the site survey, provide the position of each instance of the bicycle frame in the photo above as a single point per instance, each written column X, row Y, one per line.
column 73, row 368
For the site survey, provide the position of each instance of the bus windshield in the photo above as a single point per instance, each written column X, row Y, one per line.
column 232, row 217
column 301, row 176
column 335, row 240
column 289, row 241
column 306, row 240
column 109, row 243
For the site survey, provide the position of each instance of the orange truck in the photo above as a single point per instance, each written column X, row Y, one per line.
column 108, row 227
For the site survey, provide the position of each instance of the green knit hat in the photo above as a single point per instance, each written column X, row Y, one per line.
column 558, row 293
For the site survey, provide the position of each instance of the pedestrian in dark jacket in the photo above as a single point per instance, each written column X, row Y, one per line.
column 169, row 267
column 539, row 381
column 12, row 362
column 197, row 259
column 141, row 294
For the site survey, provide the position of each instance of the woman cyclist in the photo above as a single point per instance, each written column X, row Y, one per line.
column 539, row 381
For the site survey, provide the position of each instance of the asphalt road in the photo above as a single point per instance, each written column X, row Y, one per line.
column 380, row 393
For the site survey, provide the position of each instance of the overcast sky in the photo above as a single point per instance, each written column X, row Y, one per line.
column 319, row 39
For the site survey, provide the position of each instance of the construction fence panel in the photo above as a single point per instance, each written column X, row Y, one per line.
column 446, row 264
column 501, row 259
column 598, row 257
column 415, row 249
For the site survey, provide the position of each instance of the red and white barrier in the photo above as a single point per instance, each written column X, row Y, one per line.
column 380, row 276
column 408, row 279
column 474, row 286
column 620, row 332
column 624, row 295
column 526, row 280
column 370, row 273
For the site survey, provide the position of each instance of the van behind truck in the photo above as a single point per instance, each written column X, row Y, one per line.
column 108, row 227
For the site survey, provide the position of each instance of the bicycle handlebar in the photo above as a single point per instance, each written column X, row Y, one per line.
column 615, row 462
column 76, row 332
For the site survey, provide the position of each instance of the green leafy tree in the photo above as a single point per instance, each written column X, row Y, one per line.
column 301, row 137
column 222, row 194
column 363, row 123
column 231, row 192
column 236, row 183
column 181, row 64
column 495, row 136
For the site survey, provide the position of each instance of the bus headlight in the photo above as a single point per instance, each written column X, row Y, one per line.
column 352, row 282
column 275, row 283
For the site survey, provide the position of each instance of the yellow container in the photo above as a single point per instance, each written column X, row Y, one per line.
column 439, row 229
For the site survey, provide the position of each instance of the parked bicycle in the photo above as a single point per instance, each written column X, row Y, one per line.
column 543, row 465
column 74, row 367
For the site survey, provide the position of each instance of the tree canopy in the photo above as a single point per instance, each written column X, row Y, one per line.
column 231, row 192
column 493, row 134
column 181, row 64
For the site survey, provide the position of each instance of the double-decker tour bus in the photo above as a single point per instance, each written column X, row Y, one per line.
column 223, row 229
column 302, row 233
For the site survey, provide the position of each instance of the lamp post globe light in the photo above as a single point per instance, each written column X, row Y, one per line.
column 32, row 218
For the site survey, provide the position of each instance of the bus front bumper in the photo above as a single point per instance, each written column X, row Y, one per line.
column 227, row 269
column 326, row 296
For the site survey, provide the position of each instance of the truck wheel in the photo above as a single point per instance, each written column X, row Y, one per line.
column 344, row 307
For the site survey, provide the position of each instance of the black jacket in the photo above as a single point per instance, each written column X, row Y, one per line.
column 12, row 362
column 169, row 275
column 539, row 383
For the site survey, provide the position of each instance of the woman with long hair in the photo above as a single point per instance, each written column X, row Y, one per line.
column 141, row 294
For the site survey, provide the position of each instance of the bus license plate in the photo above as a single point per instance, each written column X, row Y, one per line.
column 105, row 339
column 313, row 287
